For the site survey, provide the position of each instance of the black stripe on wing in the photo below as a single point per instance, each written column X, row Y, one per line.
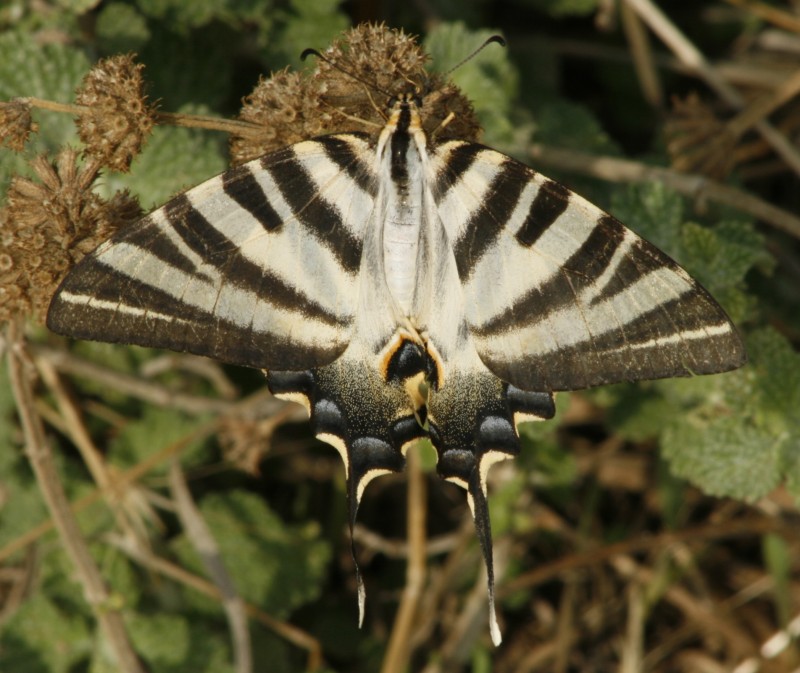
column 216, row 249
column 683, row 336
column 148, row 235
column 340, row 150
column 487, row 223
column 460, row 158
column 307, row 201
column 132, row 312
column 549, row 203
column 242, row 186
column 579, row 272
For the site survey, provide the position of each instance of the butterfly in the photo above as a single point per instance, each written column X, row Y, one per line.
column 401, row 285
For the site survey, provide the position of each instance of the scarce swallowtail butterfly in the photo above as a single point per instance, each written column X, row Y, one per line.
column 401, row 284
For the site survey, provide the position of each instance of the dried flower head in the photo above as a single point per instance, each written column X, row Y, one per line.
column 697, row 140
column 349, row 91
column 48, row 226
column 118, row 118
column 16, row 124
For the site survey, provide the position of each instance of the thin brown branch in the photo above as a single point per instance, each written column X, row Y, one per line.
column 95, row 461
column 642, row 56
column 147, row 391
column 39, row 454
column 122, row 481
column 399, row 649
column 762, row 107
column 692, row 186
column 400, row 549
column 590, row 557
column 201, row 538
column 236, row 126
column 685, row 50
column 774, row 15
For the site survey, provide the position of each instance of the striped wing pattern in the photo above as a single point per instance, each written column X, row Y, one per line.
column 560, row 295
column 299, row 263
column 217, row 271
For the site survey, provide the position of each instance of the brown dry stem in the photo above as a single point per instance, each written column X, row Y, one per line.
column 41, row 459
column 696, row 187
column 399, row 648
column 200, row 536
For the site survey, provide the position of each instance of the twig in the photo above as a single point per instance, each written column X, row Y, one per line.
column 693, row 186
column 134, row 386
column 642, row 54
column 398, row 651
column 132, row 475
column 76, row 429
column 769, row 13
column 400, row 549
column 235, row 126
column 712, row 531
column 692, row 57
column 762, row 107
column 203, row 541
column 41, row 460
column 175, row 572
column 122, row 481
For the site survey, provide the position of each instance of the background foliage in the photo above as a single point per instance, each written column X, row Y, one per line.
column 622, row 463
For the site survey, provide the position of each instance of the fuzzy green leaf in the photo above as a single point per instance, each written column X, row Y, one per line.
column 274, row 565
column 43, row 637
column 308, row 24
column 156, row 429
column 49, row 71
column 726, row 458
column 489, row 80
column 173, row 159
column 121, row 29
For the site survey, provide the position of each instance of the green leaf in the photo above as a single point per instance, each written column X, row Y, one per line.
column 194, row 69
column 41, row 636
column 274, row 565
column 724, row 458
column 653, row 211
column 489, row 79
column 155, row 430
column 172, row 160
column 121, row 29
column 306, row 24
column 49, row 71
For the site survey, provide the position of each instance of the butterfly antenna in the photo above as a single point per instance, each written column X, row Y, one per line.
column 493, row 39
column 370, row 85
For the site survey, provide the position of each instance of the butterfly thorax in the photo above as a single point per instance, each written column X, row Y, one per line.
column 401, row 157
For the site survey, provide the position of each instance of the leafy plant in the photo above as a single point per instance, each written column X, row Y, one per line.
column 587, row 492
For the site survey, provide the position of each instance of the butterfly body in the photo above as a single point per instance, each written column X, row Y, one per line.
column 400, row 288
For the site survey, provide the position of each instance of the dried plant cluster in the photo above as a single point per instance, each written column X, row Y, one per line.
column 51, row 222
column 118, row 118
column 344, row 94
column 48, row 225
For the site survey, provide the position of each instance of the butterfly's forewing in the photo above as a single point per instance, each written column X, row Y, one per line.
column 258, row 266
column 560, row 295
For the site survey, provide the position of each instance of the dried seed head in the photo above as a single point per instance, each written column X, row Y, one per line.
column 276, row 105
column 697, row 141
column 349, row 91
column 49, row 225
column 16, row 124
column 118, row 118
